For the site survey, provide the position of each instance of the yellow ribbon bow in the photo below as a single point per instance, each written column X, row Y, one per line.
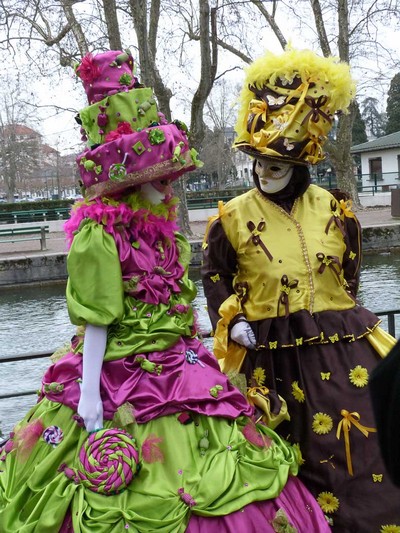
column 252, row 391
column 346, row 208
column 259, row 109
column 345, row 425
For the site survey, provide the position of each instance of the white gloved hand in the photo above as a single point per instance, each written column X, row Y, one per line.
column 90, row 406
column 242, row 333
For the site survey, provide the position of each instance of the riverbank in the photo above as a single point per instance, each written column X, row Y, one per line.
column 24, row 262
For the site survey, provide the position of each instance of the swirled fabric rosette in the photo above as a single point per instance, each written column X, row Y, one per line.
column 109, row 460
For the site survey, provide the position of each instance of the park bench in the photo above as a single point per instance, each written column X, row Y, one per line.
column 25, row 233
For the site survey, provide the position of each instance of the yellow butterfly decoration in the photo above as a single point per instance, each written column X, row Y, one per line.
column 215, row 278
column 377, row 477
column 325, row 375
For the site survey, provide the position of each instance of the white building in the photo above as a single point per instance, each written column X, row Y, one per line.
column 380, row 162
column 244, row 168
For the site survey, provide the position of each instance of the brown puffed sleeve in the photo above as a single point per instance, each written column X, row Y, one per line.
column 218, row 269
column 353, row 238
column 353, row 254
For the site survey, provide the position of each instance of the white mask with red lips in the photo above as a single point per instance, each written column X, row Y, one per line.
column 156, row 191
column 273, row 176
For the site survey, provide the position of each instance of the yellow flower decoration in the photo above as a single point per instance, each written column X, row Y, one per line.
column 390, row 528
column 297, row 392
column 259, row 376
column 359, row 376
column 328, row 502
column 322, row 423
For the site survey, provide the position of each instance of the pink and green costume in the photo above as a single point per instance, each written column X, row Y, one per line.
column 180, row 450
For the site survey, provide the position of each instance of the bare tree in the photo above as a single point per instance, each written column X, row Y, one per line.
column 74, row 27
column 61, row 33
column 19, row 145
column 347, row 29
column 217, row 148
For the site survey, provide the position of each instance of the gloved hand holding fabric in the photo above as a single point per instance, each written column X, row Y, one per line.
column 242, row 333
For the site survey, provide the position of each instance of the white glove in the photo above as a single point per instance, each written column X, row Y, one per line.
column 242, row 333
column 90, row 406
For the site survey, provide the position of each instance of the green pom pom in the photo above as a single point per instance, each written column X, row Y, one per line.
column 125, row 79
column 89, row 164
column 156, row 136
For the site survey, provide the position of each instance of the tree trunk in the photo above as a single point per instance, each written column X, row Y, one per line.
column 110, row 13
column 150, row 76
column 183, row 212
column 209, row 59
column 76, row 28
column 342, row 159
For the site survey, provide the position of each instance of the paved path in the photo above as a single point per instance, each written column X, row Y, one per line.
column 370, row 216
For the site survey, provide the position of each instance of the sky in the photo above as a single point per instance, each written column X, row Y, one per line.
column 61, row 131
column 64, row 90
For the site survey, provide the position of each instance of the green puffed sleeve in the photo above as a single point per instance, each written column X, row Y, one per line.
column 94, row 290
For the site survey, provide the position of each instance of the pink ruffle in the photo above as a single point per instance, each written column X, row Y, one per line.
column 141, row 222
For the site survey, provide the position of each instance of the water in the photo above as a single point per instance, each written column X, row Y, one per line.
column 36, row 319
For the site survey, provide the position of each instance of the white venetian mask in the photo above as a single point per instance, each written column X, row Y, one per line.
column 156, row 191
column 273, row 176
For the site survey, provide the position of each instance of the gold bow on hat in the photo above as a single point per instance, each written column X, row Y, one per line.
column 259, row 109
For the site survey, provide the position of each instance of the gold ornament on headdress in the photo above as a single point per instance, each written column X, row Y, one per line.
column 288, row 104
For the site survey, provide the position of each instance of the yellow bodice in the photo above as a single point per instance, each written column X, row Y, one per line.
column 287, row 262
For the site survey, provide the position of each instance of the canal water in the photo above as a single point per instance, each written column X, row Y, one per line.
column 35, row 319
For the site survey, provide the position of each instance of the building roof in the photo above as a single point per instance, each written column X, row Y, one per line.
column 47, row 150
column 20, row 129
column 382, row 143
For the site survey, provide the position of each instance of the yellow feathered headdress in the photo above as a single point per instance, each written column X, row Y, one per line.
column 288, row 104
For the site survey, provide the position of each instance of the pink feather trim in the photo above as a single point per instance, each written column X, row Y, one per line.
column 141, row 222
column 151, row 452
column 26, row 438
column 253, row 435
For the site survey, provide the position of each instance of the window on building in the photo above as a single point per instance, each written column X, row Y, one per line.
column 375, row 169
column 398, row 168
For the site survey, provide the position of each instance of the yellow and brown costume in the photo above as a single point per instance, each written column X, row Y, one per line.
column 293, row 274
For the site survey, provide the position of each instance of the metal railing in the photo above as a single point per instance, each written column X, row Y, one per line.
column 209, row 198
column 391, row 327
column 34, row 215
column 195, row 200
